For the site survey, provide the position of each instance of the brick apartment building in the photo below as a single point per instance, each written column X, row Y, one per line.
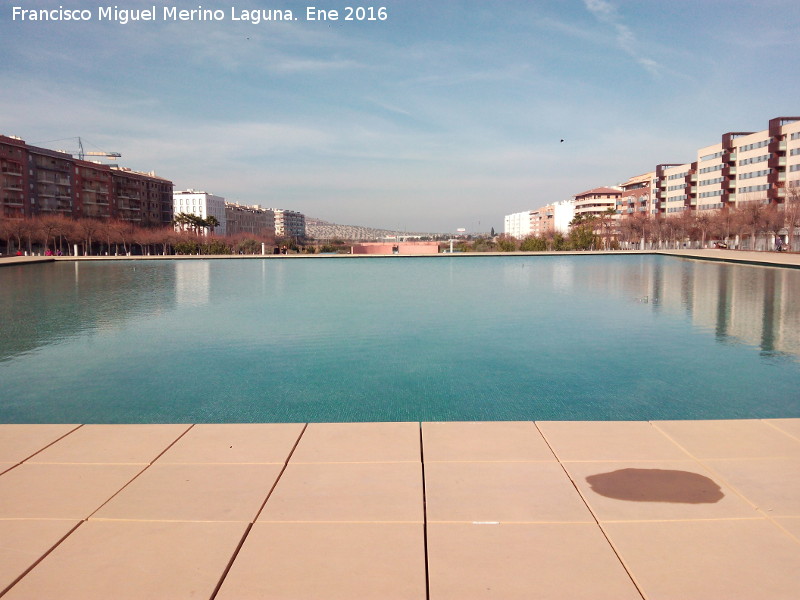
column 37, row 181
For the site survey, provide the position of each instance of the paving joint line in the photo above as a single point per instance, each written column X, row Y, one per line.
column 4, row 591
column 424, row 515
column 639, row 589
column 249, row 527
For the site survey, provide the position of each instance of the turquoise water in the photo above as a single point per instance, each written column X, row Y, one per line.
column 395, row 339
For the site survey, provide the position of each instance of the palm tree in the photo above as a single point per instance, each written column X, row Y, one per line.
column 211, row 222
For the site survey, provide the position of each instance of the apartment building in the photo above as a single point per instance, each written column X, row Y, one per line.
column 203, row 205
column 744, row 166
column 37, row 181
column 518, row 225
column 597, row 201
column 637, row 195
column 289, row 223
column 253, row 220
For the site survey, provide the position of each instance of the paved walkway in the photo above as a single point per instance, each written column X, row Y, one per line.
column 677, row 510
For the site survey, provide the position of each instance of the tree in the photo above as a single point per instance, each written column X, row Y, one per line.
column 606, row 221
column 791, row 211
column 704, row 223
column 506, row 243
column 751, row 218
column 212, row 222
column 582, row 237
column 533, row 244
column 89, row 229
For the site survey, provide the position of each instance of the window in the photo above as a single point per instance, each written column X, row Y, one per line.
column 752, row 174
column 754, row 188
column 711, row 169
column 711, row 181
column 755, row 145
column 754, row 159
column 711, row 194
column 710, row 156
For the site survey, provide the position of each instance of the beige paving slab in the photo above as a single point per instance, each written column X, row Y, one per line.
column 772, row 484
column 790, row 426
column 111, row 444
column 359, row 442
column 60, row 491
column 730, row 439
column 347, row 492
column 609, row 440
column 329, row 561
column 523, row 561
column 501, row 492
column 262, row 443
column 134, row 560
column 790, row 524
column 23, row 542
column 631, row 491
column 194, row 493
column 18, row 442
column 484, row 441
column 699, row 560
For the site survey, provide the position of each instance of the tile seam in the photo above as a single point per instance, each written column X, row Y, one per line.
column 637, row 586
column 424, row 514
column 36, row 563
column 135, row 477
column 249, row 527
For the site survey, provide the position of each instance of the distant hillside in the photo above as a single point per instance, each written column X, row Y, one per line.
column 323, row 231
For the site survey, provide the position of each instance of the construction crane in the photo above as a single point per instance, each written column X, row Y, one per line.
column 82, row 155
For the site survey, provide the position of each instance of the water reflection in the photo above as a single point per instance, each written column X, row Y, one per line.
column 192, row 282
column 41, row 304
column 738, row 303
column 47, row 303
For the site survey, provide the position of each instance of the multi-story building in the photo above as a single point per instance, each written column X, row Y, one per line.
column 542, row 223
column 518, row 225
column 597, row 201
column 37, row 181
column 744, row 166
column 637, row 195
column 563, row 214
column 203, row 205
column 252, row 220
column 13, row 177
column 289, row 223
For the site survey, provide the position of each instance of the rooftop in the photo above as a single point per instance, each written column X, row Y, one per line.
column 665, row 509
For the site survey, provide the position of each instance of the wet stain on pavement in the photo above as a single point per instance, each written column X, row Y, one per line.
column 656, row 485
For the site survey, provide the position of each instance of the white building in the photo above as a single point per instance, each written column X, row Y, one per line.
column 201, row 204
column 518, row 225
column 563, row 213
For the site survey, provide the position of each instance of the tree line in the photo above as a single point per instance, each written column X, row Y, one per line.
column 741, row 227
column 60, row 235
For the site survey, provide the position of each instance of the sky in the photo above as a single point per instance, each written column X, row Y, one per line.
column 444, row 115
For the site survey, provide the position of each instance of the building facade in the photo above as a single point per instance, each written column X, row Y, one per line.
column 37, row 182
column 203, row 205
column 252, row 220
column 637, row 195
column 743, row 166
column 597, row 201
column 518, row 225
column 289, row 223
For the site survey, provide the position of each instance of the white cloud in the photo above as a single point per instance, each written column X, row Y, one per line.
column 625, row 38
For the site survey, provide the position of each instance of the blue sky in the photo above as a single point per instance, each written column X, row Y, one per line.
column 448, row 114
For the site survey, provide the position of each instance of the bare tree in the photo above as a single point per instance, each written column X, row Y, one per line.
column 751, row 218
column 791, row 211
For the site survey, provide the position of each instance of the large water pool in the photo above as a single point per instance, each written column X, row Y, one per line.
column 398, row 339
